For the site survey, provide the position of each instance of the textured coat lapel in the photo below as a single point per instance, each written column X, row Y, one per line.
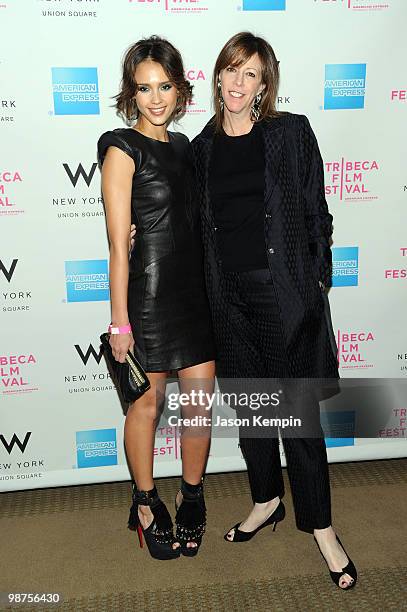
column 207, row 146
column 273, row 136
column 202, row 146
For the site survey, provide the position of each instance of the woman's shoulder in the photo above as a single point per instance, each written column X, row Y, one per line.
column 296, row 127
column 117, row 134
column 119, row 137
column 179, row 138
column 285, row 119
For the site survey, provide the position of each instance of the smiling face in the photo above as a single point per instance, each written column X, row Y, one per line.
column 156, row 96
column 241, row 84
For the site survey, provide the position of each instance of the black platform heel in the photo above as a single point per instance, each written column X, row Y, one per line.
column 244, row 536
column 159, row 535
column 190, row 518
column 350, row 569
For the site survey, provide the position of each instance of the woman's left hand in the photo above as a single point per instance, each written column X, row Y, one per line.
column 131, row 239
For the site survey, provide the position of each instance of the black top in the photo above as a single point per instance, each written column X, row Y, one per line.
column 163, row 199
column 236, row 183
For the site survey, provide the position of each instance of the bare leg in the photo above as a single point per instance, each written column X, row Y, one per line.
column 139, row 433
column 195, row 441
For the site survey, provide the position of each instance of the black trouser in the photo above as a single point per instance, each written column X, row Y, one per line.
column 252, row 295
column 307, row 470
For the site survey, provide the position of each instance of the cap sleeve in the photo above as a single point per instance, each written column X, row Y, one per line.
column 112, row 139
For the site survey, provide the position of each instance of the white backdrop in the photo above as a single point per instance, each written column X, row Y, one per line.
column 342, row 64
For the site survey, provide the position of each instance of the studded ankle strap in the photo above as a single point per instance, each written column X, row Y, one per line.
column 145, row 498
column 191, row 492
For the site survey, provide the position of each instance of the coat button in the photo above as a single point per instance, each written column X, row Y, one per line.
column 270, row 250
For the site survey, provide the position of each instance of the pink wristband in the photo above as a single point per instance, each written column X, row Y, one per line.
column 125, row 329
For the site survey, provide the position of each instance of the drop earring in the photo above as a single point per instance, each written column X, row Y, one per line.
column 220, row 97
column 255, row 111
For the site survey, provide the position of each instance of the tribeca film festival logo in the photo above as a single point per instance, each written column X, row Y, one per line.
column 15, row 445
column 171, row 442
column 353, row 348
column 397, row 273
column 196, row 7
column 79, row 178
column 358, row 5
column 89, row 379
column 345, row 86
column 75, row 91
column 9, row 182
column 12, row 297
column 345, row 266
column 15, row 373
column 349, row 180
column 87, row 280
column 399, row 425
column 96, row 448
column 69, row 8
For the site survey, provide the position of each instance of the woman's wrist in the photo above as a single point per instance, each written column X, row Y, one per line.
column 119, row 319
column 119, row 329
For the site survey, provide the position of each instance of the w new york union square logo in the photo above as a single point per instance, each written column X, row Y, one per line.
column 344, row 86
column 75, row 91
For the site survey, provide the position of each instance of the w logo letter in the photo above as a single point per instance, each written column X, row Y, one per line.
column 15, row 440
column 8, row 272
column 90, row 351
column 80, row 171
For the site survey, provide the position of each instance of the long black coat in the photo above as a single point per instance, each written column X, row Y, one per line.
column 297, row 230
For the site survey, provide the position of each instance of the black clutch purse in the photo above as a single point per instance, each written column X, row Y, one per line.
column 129, row 377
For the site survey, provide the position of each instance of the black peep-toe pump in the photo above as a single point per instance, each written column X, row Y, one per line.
column 244, row 536
column 349, row 569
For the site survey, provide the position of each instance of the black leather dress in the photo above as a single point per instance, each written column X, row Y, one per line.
column 167, row 303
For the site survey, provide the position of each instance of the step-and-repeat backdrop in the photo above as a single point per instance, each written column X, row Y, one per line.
column 342, row 64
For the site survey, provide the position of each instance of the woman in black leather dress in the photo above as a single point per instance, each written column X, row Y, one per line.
column 148, row 179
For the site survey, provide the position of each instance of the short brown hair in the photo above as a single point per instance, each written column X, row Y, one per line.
column 237, row 51
column 163, row 52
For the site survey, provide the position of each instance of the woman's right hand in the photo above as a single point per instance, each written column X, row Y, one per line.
column 121, row 344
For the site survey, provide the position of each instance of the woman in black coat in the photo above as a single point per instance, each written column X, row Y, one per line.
column 266, row 232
